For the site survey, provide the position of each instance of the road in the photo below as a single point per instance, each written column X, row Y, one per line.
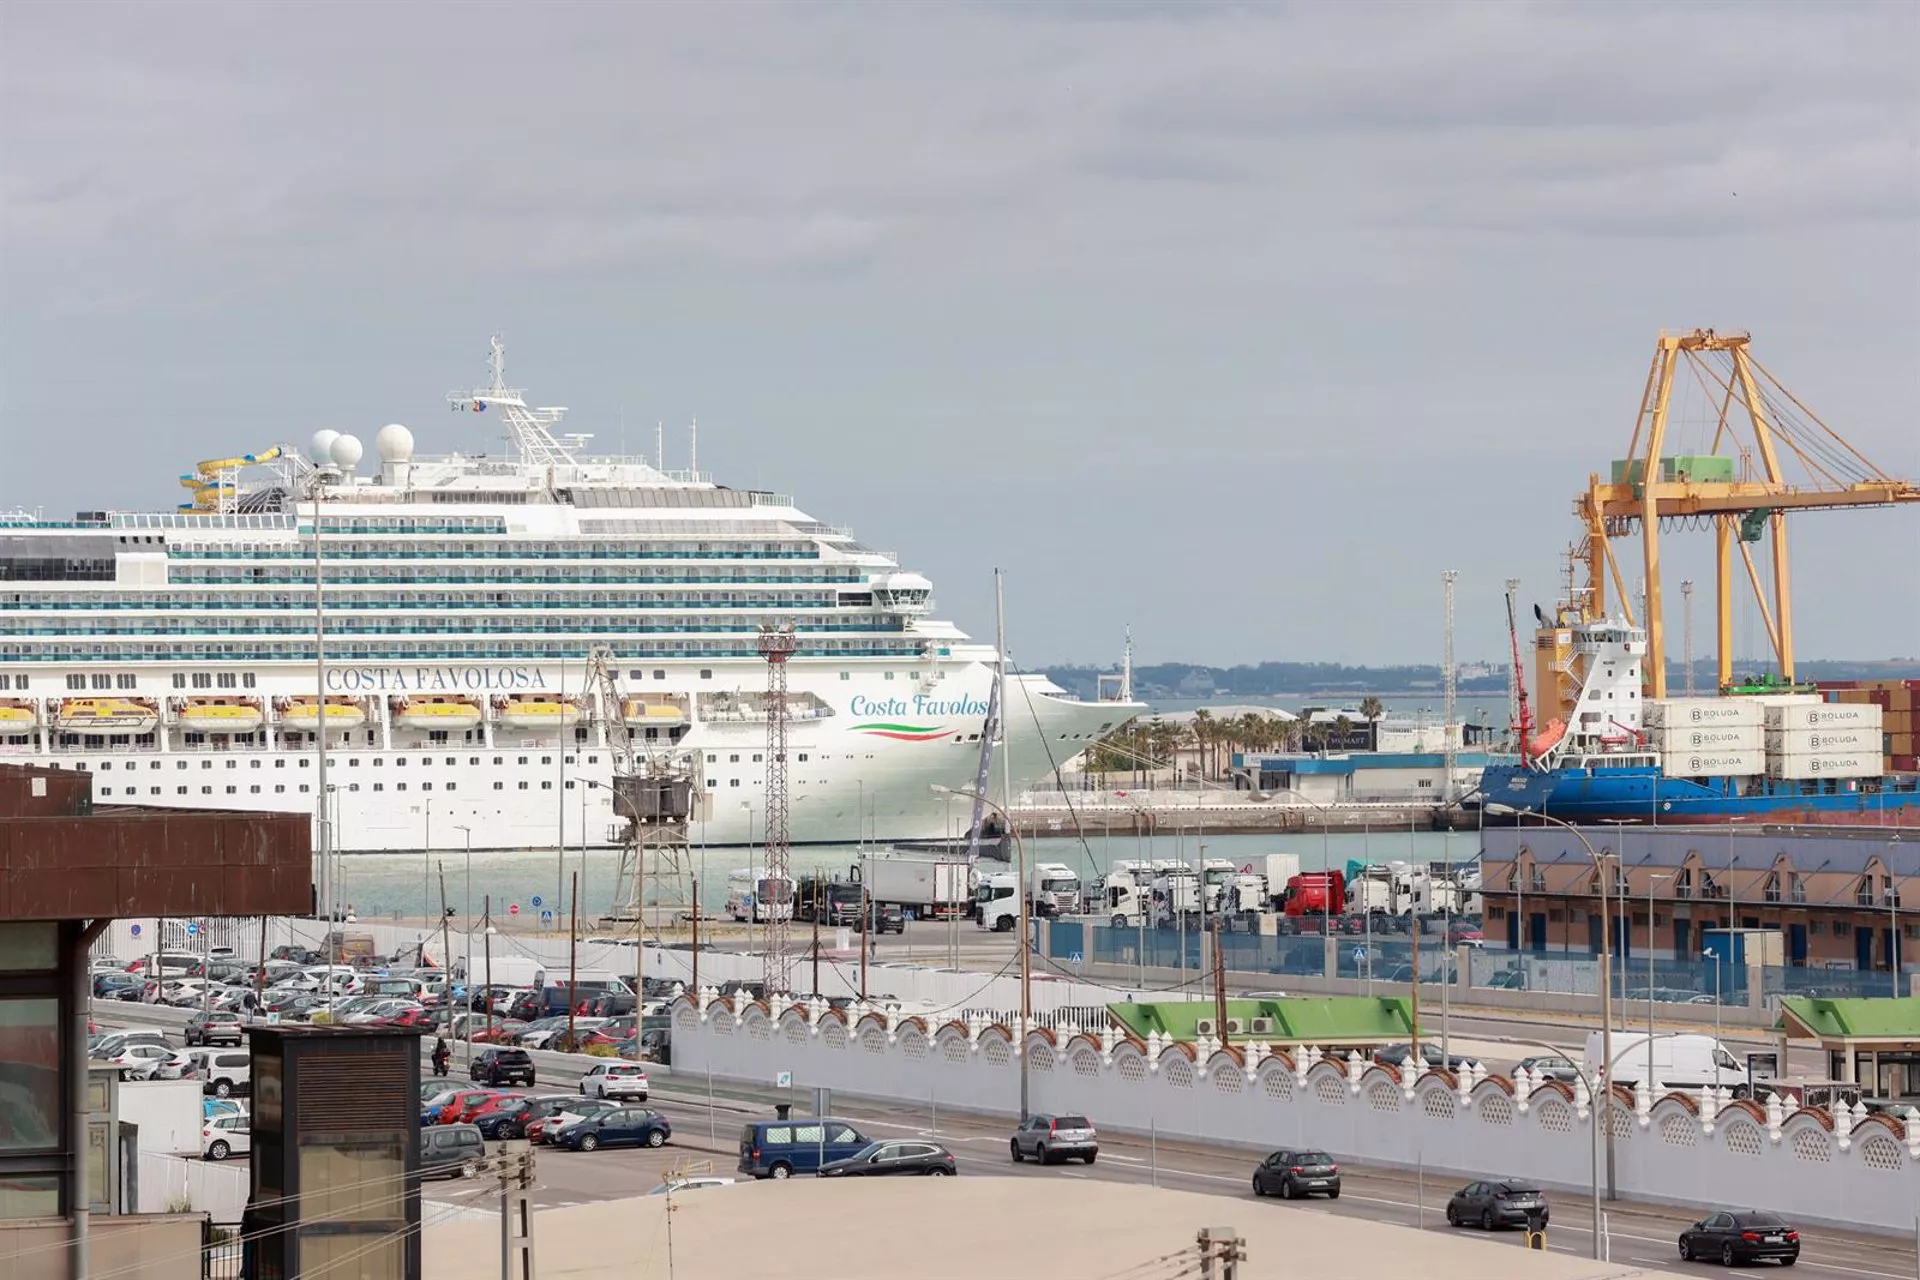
column 706, row 1127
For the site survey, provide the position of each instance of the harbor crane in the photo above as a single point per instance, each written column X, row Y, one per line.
column 1769, row 457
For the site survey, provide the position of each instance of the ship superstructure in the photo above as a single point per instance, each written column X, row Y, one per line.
column 174, row 653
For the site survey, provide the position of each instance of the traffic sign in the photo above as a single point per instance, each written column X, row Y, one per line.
column 1076, row 959
column 192, row 928
column 784, row 1080
column 513, row 909
column 135, row 930
column 546, row 917
column 535, row 899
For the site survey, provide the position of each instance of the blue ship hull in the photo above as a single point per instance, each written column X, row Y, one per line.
column 1642, row 794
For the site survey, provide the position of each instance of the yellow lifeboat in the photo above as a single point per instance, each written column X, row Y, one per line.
column 106, row 715
column 303, row 714
column 645, row 713
column 438, row 712
column 221, row 715
column 536, row 711
column 18, row 715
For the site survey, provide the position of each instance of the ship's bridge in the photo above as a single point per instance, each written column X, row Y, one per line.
column 907, row 593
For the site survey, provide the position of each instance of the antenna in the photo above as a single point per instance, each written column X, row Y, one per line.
column 1686, row 594
column 1446, row 720
column 659, row 446
column 693, row 447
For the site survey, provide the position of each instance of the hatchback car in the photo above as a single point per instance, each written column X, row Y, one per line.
column 615, row 1080
column 548, row 1128
column 226, row 1071
column 619, row 1127
column 226, row 1135
column 1291, row 1174
column 500, row 1065
column 1507, row 1203
column 1553, row 1068
column 1051, row 1138
column 1743, row 1235
column 885, row 1159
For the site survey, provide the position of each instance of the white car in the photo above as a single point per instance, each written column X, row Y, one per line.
column 151, row 1062
column 224, row 1136
column 678, row 1185
column 612, row 1080
column 545, row 1037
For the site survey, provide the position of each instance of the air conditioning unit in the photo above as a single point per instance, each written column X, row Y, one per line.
column 1205, row 1026
column 1265, row 1027
column 1235, row 1027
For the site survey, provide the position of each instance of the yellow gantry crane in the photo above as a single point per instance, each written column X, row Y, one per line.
column 1769, row 456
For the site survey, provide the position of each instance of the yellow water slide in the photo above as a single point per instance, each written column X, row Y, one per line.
column 205, row 481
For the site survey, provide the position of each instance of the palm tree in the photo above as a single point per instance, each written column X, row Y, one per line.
column 1371, row 708
column 1205, row 732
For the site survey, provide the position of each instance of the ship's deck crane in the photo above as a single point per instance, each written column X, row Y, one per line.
column 1741, row 485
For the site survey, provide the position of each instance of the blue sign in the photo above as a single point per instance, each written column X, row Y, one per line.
column 192, row 928
column 1076, row 960
column 135, row 929
column 535, row 899
column 546, row 917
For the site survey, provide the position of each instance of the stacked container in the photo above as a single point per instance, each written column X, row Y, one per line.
column 1707, row 737
column 1899, row 704
column 1812, row 740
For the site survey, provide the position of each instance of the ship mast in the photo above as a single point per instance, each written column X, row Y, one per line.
column 530, row 429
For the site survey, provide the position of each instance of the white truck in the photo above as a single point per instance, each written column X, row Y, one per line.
column 1679, row 1061
column 996, row 901
column 930, row 888
column 1123, row 894
column 1176, row 897
column 1055, row 889
column 1215, row 873
column 508, row 971
column 1244, row 895
column 1276, row 869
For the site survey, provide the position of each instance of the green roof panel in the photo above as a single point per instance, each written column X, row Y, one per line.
column 1895, row 1019
column 1303, row 1019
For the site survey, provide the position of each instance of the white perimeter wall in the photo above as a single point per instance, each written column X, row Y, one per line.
column 1862, row 1173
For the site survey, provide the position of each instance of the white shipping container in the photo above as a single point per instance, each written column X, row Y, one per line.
column 1822, row 741
column 1714, row 764
column 1825, row 715
column 1744, row 737
column 1802, row 766
column 1677, row 713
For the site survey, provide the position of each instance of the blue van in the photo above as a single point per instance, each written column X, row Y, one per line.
column 782, row 1148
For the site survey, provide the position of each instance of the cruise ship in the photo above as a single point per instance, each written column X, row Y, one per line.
column 173, row 653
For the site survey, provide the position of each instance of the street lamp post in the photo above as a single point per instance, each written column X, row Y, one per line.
column 1026, row 940
column 1714, row 956
column 467, row 923
column 1652, row 881
column 1606, row 963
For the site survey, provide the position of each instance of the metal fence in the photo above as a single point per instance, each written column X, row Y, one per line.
column 1391, row 958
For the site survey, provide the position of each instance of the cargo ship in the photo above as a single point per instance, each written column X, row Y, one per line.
column 1768, row 754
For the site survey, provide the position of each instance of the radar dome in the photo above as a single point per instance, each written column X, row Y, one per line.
column 345, row 452
column 319, row 449
column 394, row 443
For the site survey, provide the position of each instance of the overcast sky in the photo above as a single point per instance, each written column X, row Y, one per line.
column 1237, row 323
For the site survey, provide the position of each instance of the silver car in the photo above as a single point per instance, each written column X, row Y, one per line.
column 1051, row 1138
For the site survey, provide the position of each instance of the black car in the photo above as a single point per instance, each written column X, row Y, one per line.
column 888, row 918
column 1291, row 1174
column 880, row 1159
column 451, row 1151
column 214, row 1028
column 1743, row 1235
column 619, row 1127
column 1396, row 1055
column 498, row 1065
column 508, row 1117
column 1508, row 1202
column 118, row 986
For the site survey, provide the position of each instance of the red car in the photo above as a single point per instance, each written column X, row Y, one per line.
column 461, row 1108
column 1467, row 934
column 500, row 1033
column 492, row 1103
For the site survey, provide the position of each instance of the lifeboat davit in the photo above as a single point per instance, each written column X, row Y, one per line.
column 106, row 715
column 537, row 711
column 221, row 715
column 439, row 712
column 18, row 715
column 1545, row 740
column 303, row 714
column 641, row 714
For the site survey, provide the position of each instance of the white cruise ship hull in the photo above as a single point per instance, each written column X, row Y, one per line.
column 866, row 753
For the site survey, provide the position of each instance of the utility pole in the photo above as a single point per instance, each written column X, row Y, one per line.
column 1219, row 983
column 1449, row 686
column 516, row 1210
column 696, row 945
column 573, row 965
column 486, row 947
column 1686, row 631
column 1222, row 1250
column 815, row 908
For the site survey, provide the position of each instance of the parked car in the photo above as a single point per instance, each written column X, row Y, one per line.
column 1741, row 1236
column 887, row 918
column 1291, row 1174
column 618, row 1127
column 548, row 1128
column 1396, row 1055
column 451, row 1151
column 881, row 1159
column 214, row 1028
column 701, row 1183
column 152, row 1062
column 223, row 1136
column 460, row 1107
column 433, row 1104
column 515, row 1122
column 499, row 1065
column 782, row 1148
column 489, row 1116
column 615, row 1080
column 1051, row 1138
column 503, row 1031
column 113, row 1044
column 1553, row 1067
column 226, row 1071
column 117, row 986
column 1502, row 1203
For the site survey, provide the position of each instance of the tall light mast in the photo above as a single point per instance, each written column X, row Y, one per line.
column 777, row 644
column 1450, row 687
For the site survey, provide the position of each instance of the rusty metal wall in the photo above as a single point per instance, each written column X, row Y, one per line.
column 39, row 791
